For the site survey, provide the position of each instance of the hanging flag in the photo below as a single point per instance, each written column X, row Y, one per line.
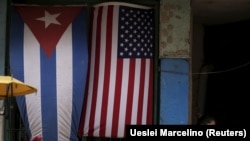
column 48, row 50
column 120, row 78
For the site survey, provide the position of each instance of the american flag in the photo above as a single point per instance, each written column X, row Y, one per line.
column 120, row 82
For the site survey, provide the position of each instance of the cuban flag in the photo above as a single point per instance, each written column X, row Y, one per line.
column 48, row 50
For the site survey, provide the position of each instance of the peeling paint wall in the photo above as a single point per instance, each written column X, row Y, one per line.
column 175, row 29
column 174, row 52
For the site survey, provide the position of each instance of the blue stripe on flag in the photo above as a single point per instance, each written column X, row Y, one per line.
column 17, row 47
column 48, row 96
column 80, row 63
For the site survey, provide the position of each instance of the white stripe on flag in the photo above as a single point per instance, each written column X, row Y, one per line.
column 64, row 84
column 32, row 76
column 101, row 73
column 123, row 100
column 111, row 97
column 136, row 92
column 146, row 92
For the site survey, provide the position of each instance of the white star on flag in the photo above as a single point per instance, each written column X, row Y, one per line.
column 49, row 19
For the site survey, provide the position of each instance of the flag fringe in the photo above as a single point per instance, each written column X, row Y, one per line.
column 66, row 5
column 123, row 4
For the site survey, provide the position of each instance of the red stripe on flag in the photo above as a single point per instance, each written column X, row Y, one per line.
column 130, row 93
column 107, row 71
column 117, row 98
column 96, row 72
column 150, row 95
column 141, row 91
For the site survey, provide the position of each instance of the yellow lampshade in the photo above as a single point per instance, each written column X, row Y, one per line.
column 10, row 86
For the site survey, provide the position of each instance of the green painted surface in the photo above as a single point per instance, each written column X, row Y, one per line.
column 3, row 18
column 175, row 17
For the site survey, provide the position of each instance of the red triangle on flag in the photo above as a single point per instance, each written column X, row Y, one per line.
column 48, row 23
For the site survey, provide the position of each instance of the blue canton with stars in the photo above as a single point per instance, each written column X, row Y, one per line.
column 136, row 33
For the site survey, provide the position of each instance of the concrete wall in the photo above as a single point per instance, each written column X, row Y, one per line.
column 175, row 17
column 3, row 15
column 175, row 84
column 199, row 71
column 198, row 80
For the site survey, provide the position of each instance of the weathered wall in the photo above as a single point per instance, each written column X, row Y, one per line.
column 174, row 91
column 198, row 79
column 3, row 15
column 174, row 53
column 175, row 28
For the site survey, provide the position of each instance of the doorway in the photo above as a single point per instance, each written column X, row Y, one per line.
column 226, row 48
column 220, row 60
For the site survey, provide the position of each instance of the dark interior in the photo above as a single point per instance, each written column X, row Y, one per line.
column 226, row 47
